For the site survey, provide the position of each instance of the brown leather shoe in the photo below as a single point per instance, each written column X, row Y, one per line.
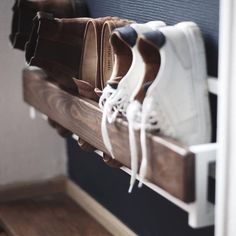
column 55, row 45
column 96, row 65
column 123, row 58
column 25, row 10
column 107, row 57
column 97, row 56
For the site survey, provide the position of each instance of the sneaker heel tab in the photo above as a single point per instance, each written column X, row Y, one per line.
column 156, row 37
column 128, row 34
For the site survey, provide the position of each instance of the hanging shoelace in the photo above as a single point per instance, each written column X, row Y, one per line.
column 107, row 92
column 116, row 104
column 152, row 119
column 105, row 135
column 134, row 119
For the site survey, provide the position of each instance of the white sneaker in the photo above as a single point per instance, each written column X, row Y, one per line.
column 151, row 60
column 177, row 102
column 126, row 79
column 118, row 99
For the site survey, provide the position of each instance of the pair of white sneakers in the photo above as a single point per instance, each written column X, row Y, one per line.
column 164, row 89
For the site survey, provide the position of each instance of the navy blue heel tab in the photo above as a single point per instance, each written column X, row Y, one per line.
column 128, row 34
column 156, row 37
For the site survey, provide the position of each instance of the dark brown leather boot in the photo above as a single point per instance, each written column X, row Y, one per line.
column 25, row 10
column 55, row 45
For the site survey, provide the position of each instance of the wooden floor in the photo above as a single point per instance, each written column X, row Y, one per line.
column 54, row 215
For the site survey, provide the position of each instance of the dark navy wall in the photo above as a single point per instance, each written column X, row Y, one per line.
column 144, row 211
column 204, row 12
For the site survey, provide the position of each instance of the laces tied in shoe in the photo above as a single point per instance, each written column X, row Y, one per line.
column 107, row 92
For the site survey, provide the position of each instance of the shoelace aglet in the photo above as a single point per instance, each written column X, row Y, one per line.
column 132, row 182
column 143, row 166
column 140, row 184
column 130, row 189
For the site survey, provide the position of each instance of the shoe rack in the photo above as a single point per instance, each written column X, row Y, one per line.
column 177, row 172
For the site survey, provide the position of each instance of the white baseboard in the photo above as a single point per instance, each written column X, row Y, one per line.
column 102, row 215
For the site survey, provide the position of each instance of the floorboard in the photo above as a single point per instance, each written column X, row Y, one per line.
column 54, row 215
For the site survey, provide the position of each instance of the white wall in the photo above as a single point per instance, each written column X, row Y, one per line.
column 225, row 224
column 29, row 149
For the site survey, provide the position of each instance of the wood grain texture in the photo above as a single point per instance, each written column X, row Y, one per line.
column 32, row 189
column 171, row 165
column 52, row 215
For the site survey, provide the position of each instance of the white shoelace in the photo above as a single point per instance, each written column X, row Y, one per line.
column 149, row 121
column 134, row 118
column 105, row 135
column 139, row 120
column 107, row 92
column 114, row 105
column 153, row 118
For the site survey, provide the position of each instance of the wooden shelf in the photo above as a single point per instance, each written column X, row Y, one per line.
column 172, row 164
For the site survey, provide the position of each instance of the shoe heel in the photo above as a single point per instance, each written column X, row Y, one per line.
column 196, row 44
